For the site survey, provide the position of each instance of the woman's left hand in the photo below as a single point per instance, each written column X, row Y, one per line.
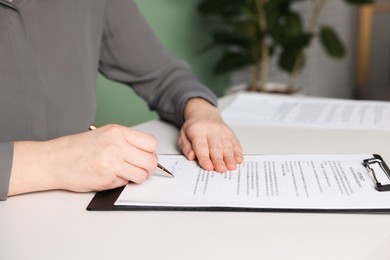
column 205, row 136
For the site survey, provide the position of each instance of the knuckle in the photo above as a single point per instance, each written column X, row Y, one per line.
column 140, row 177
column 186, row 150
column 203, row 160
column 105, row 158
column 228, row 147
column 180, row 142
column 201, row 146
column 104, row 183
column 148, row 140
column 153, row 142
column 152, row 163
column 196, row 128
column 103, row 161
column 114, row 129
column 215, row 143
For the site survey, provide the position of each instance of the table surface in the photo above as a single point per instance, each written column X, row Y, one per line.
column 55, row 224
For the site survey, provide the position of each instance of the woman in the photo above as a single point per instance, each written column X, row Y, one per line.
column 50, row 54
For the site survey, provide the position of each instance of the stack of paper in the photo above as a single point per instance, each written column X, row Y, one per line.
column 265, row 109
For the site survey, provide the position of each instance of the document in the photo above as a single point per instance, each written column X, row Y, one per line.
column 267, row 109
column 265, row 182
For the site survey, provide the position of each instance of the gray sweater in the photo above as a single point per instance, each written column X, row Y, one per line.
column 50, row 54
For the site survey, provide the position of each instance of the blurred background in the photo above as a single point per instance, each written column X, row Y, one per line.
column 364, row 72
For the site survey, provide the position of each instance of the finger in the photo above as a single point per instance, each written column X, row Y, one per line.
column 140, row 140
column 120, row 182
column 133, row 174
column 217, row 153
column 238, row 154
column 233, row 145
column 107, row 183
column 120, row 168
column 117, row 182
column 140, row 159
column 228, row 155
column 201, row 149
column 186, row 146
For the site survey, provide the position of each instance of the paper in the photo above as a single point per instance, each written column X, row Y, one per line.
column 263, row 181
column 264, row 109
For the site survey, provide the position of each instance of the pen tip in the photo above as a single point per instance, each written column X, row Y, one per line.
column 164, row 170
column 169, row 173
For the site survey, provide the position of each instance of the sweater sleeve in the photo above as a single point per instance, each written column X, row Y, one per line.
column 132, row 54
column 6, row 155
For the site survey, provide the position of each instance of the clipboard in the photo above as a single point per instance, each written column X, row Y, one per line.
column 376, row 166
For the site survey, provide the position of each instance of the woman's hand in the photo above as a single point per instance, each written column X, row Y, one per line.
column 205, row 137
column 105, row 158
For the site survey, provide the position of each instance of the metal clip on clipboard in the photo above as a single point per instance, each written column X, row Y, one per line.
column 377, row 159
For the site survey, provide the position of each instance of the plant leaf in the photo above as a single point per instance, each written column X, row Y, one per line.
column 232, row 61
column 331, row 42
column 221, row 7
column 289, row 57
column 297, row 41
column 232, row 38
column 293, row 24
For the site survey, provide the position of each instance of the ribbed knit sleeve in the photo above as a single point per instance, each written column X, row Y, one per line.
column 6, row 155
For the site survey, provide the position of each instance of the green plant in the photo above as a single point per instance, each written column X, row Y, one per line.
column 254, row 30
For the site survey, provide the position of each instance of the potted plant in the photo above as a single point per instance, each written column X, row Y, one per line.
column 254, row 30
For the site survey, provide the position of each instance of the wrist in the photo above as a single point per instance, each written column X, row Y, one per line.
column 199, row 107
column 29, row 168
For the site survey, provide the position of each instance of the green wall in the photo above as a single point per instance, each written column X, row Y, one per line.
column 184, row 33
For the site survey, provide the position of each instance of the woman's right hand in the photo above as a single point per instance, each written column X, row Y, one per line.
column 105, row 158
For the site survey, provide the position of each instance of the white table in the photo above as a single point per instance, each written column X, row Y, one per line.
column 55, row 225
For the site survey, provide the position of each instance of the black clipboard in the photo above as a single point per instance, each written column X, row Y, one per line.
column 105, row 200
